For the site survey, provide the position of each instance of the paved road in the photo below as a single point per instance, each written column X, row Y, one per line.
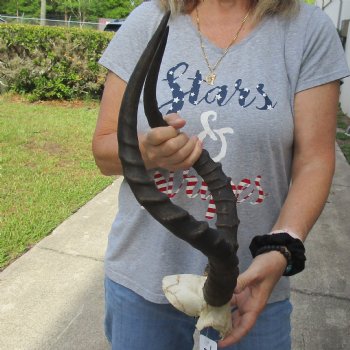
column 52, row 297
column 321, row 294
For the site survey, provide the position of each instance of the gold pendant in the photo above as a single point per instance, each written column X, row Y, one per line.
column 210, row 78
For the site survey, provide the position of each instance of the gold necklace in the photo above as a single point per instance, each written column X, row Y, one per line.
column 211, row 76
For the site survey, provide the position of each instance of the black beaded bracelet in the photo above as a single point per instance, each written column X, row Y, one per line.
column 295, row 248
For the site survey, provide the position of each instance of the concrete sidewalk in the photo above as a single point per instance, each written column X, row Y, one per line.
column 52, row 297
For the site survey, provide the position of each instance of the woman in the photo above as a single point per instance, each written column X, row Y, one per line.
column 256, row 83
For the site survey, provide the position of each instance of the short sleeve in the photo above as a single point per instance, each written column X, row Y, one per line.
column 323, row 58
column 127, row 45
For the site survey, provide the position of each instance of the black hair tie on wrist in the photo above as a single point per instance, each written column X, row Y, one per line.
column 292, row 248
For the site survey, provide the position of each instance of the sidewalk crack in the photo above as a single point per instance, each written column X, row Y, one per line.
column 73, row 255
column 340, row 185
column 316, row 294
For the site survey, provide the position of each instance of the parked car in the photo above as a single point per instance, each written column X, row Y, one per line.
column 114, row 25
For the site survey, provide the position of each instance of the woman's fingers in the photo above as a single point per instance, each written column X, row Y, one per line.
column 175, row 120
column 168, row 148
column 242, row 324
column 157, row 136
column 182, row 155
column 188, row 155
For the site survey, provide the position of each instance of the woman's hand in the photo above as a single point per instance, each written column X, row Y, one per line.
column 168, row 148
column 252, row 292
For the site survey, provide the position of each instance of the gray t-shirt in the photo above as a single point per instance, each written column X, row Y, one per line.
column 245, row 121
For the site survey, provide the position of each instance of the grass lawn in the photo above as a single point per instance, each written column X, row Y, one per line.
column 343, row 122
column 46, row 169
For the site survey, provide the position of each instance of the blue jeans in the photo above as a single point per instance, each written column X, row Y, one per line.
column 133, row 323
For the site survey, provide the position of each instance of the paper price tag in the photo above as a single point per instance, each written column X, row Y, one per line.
column 206, row 343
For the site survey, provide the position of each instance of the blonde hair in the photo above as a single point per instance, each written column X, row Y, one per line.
column 262, row 8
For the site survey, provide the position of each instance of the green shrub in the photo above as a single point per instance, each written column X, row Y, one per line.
column 52, row 62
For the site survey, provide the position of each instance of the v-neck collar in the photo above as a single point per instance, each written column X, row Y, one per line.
column 213, row 47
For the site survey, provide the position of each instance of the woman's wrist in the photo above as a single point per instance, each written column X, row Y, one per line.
column 283, row 250
column 273, row 265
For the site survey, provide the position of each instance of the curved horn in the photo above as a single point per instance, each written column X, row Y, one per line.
column 150, row 103
column 220, row 245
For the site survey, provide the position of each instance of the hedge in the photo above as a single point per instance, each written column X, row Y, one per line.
column 52, row 62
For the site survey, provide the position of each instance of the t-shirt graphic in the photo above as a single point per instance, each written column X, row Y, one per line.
column 192, row 184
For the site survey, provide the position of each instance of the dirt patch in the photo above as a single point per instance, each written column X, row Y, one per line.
column 69, row 104
column 55, row 103
column 51, row 148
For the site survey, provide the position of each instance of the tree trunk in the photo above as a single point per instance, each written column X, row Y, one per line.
column 43, row 13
